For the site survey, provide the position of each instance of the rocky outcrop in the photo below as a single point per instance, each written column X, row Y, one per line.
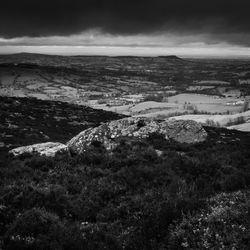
column 47, row 149
column 108, row 133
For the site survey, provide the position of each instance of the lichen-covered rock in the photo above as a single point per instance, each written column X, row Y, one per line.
column 47, row 149
column 183, row 131
column 180, row 131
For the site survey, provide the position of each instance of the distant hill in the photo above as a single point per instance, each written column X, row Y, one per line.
column 171, row 57
column 52, row 60
column 46, row 76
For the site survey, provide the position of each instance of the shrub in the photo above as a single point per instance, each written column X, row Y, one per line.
column 212, row 123
column 236, row 121
column 127, row 198
column 223, row 225
column 36, row 229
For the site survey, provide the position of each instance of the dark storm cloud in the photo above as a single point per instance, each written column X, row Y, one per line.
column 225, row 19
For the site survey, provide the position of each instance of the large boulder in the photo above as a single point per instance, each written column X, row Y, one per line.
column 47, row 149
column 108, row 133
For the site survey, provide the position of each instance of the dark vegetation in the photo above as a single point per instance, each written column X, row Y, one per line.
column 130, row 198
column 25, row 121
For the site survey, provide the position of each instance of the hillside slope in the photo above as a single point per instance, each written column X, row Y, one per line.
column 26, row 121
column 143, row 195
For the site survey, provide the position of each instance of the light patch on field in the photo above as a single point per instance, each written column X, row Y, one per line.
column 213, row 82
column 51, row 91
column 125, row 109
column 147, row 106
column 5, row 92
column 245, row 127
column 163, row 114
column 244, row 81
column 39, row 96
column 18, row 93
column 199, row 98
column 146, row 109
column 69, row 90
column 37, row 85
column 218, row 108
column 243, row 73
column 62, row 80
column 221, row 119
column 207, row 103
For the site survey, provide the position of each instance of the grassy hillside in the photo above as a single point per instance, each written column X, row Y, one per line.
column 26, row 121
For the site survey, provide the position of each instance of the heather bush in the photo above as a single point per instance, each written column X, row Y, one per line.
column 131, row 198
column 224, row 224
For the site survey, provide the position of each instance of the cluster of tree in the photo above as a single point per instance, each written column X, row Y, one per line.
column 238, row 120
column 124, row 199
column 154, row 98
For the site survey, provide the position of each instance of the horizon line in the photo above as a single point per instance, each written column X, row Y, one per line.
column 193, row 56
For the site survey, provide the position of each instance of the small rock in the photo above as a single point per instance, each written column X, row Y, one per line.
column 159, row 152
column 47, row 149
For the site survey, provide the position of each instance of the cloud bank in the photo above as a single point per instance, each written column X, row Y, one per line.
column 131, row 23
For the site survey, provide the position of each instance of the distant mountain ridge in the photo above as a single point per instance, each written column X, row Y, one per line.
column 48, row 59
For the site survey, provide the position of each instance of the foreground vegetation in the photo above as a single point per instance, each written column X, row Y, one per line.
column 150, row 194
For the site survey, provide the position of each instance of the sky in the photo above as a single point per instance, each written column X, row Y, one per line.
column 211, row 28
